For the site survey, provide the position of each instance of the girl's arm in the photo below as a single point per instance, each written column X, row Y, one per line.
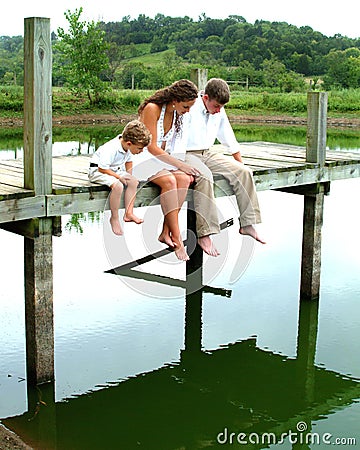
column 150, row 116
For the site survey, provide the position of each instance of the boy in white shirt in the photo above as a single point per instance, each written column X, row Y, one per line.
column 111, row 165
column 208, row 121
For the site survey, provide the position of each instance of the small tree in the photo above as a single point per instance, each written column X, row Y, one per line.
column 83, row 56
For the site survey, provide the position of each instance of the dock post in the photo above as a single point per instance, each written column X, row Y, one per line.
column 199, row 77
column 314, row 201
column 38, row 264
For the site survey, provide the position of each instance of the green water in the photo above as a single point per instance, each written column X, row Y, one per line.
column 245, row 364
column 86, row 139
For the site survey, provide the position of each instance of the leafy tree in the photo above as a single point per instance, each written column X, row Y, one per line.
column 83, row 56
column 343, row 68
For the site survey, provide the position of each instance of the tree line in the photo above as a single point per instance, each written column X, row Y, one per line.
column 148, row 53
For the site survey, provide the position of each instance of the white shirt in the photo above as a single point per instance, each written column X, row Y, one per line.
column 203, row 129
column 111, row 155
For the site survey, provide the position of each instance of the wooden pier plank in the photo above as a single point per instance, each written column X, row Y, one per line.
column 274, row 166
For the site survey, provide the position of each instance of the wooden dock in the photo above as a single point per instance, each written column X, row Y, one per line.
column 36, row 192
column 275, row 166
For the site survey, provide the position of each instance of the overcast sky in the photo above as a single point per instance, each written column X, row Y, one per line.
column 327, row 17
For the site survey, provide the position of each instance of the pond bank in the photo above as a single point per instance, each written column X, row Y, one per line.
column 234, row 118
column 10, row 441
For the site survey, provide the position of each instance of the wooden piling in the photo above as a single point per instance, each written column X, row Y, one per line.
column 314, row 198
column 199, row 77
column 316, row 127
column 38, row 177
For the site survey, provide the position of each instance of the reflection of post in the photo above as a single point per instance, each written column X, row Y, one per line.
column 194, row 280
column 194, row 267
column 42, row 414
column 38, row 177
column 193, row 322
column 314, row 201
column 306, row 345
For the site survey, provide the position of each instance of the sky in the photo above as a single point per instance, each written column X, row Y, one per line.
column 329, row 18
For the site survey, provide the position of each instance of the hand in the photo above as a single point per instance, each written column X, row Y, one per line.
column 189, row 170
column 124, row 179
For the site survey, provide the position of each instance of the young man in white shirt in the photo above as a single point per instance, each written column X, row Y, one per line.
column 207, row 121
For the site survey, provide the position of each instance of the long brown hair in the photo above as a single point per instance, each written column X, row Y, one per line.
column 180, row 91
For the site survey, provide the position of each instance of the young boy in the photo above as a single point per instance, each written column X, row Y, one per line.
column 111, row 165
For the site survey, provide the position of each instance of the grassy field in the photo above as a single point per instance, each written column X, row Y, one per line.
column 344, row 103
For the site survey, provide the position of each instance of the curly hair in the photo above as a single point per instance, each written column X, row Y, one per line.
column 137, row 133
column 180, row 91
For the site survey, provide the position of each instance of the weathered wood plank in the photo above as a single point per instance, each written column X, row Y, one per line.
column 58, row 205
column 37, row 105
column 274, row 166
column 22, row 208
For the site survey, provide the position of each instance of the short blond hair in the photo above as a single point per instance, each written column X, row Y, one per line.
column 136, row 133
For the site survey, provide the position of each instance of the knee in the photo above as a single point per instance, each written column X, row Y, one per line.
column 117, row 186
column 242, row 171
column 133, row 182
column 168, row 182
column 183, row 180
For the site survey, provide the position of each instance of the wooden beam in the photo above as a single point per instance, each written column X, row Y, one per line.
column 22, row 208
column 314, row 203
column 37, row 106
column 38, row 252
column 311, row 246
column 38, row 263
column 316, row 127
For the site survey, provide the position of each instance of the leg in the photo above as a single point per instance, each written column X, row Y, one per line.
column 115, row 196
column 241, row 180
column 207, row 221
column 169, row 204
column 129, row 200
column 183, row 182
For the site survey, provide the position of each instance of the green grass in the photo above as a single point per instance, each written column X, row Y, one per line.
column 345, row 103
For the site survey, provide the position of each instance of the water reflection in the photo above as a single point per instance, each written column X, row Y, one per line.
column 86, row 139
column 200, row 401
column 173, row 374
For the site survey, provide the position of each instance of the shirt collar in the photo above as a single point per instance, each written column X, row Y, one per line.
column 203, row 107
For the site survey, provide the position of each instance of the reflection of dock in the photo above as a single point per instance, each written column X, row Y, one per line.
column 187, row 405
column 35, row 193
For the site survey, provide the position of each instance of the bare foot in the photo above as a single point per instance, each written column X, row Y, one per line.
column 181, row 253
column 132, row 218
column 115, row 226
column 207, row 245
column 249, row 230
column 165, row 238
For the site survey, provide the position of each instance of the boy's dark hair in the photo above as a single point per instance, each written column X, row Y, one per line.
column 218, row 89
column 136, row 133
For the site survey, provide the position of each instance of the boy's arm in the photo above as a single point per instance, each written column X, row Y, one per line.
column 129, row 167
column 108, row 172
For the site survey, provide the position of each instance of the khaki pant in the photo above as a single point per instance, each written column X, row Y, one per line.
column 240, row 179
column 207, row 221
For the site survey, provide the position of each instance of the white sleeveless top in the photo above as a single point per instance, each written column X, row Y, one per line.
column 146, row 165
column 161, row 136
